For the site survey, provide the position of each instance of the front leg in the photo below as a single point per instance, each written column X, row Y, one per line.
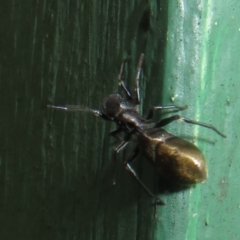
column 78, row 108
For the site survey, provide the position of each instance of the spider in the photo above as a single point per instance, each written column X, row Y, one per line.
column 174, row 158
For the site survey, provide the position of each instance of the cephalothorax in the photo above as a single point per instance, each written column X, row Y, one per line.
column 176, row 159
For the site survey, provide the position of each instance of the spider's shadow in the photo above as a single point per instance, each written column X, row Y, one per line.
column 165, row 186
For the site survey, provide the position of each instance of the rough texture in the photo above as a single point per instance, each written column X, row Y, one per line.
column 56, row 168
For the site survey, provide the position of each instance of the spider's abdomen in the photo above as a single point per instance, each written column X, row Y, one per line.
column 177, row 160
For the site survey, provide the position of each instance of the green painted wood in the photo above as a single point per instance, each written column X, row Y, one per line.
column 56, row 168
column 202, row 69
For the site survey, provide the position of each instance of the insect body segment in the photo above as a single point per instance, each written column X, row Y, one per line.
column 175, row 159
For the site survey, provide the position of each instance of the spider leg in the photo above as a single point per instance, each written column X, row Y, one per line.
column 78, row 108
column 134, row 174
column 121, row 82
column 137, row 88
column 168, row 120
column 171, row 107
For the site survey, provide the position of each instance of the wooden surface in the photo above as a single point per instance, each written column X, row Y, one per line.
column 56, row 168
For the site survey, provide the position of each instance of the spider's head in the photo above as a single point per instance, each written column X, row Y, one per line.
column 113, row 105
